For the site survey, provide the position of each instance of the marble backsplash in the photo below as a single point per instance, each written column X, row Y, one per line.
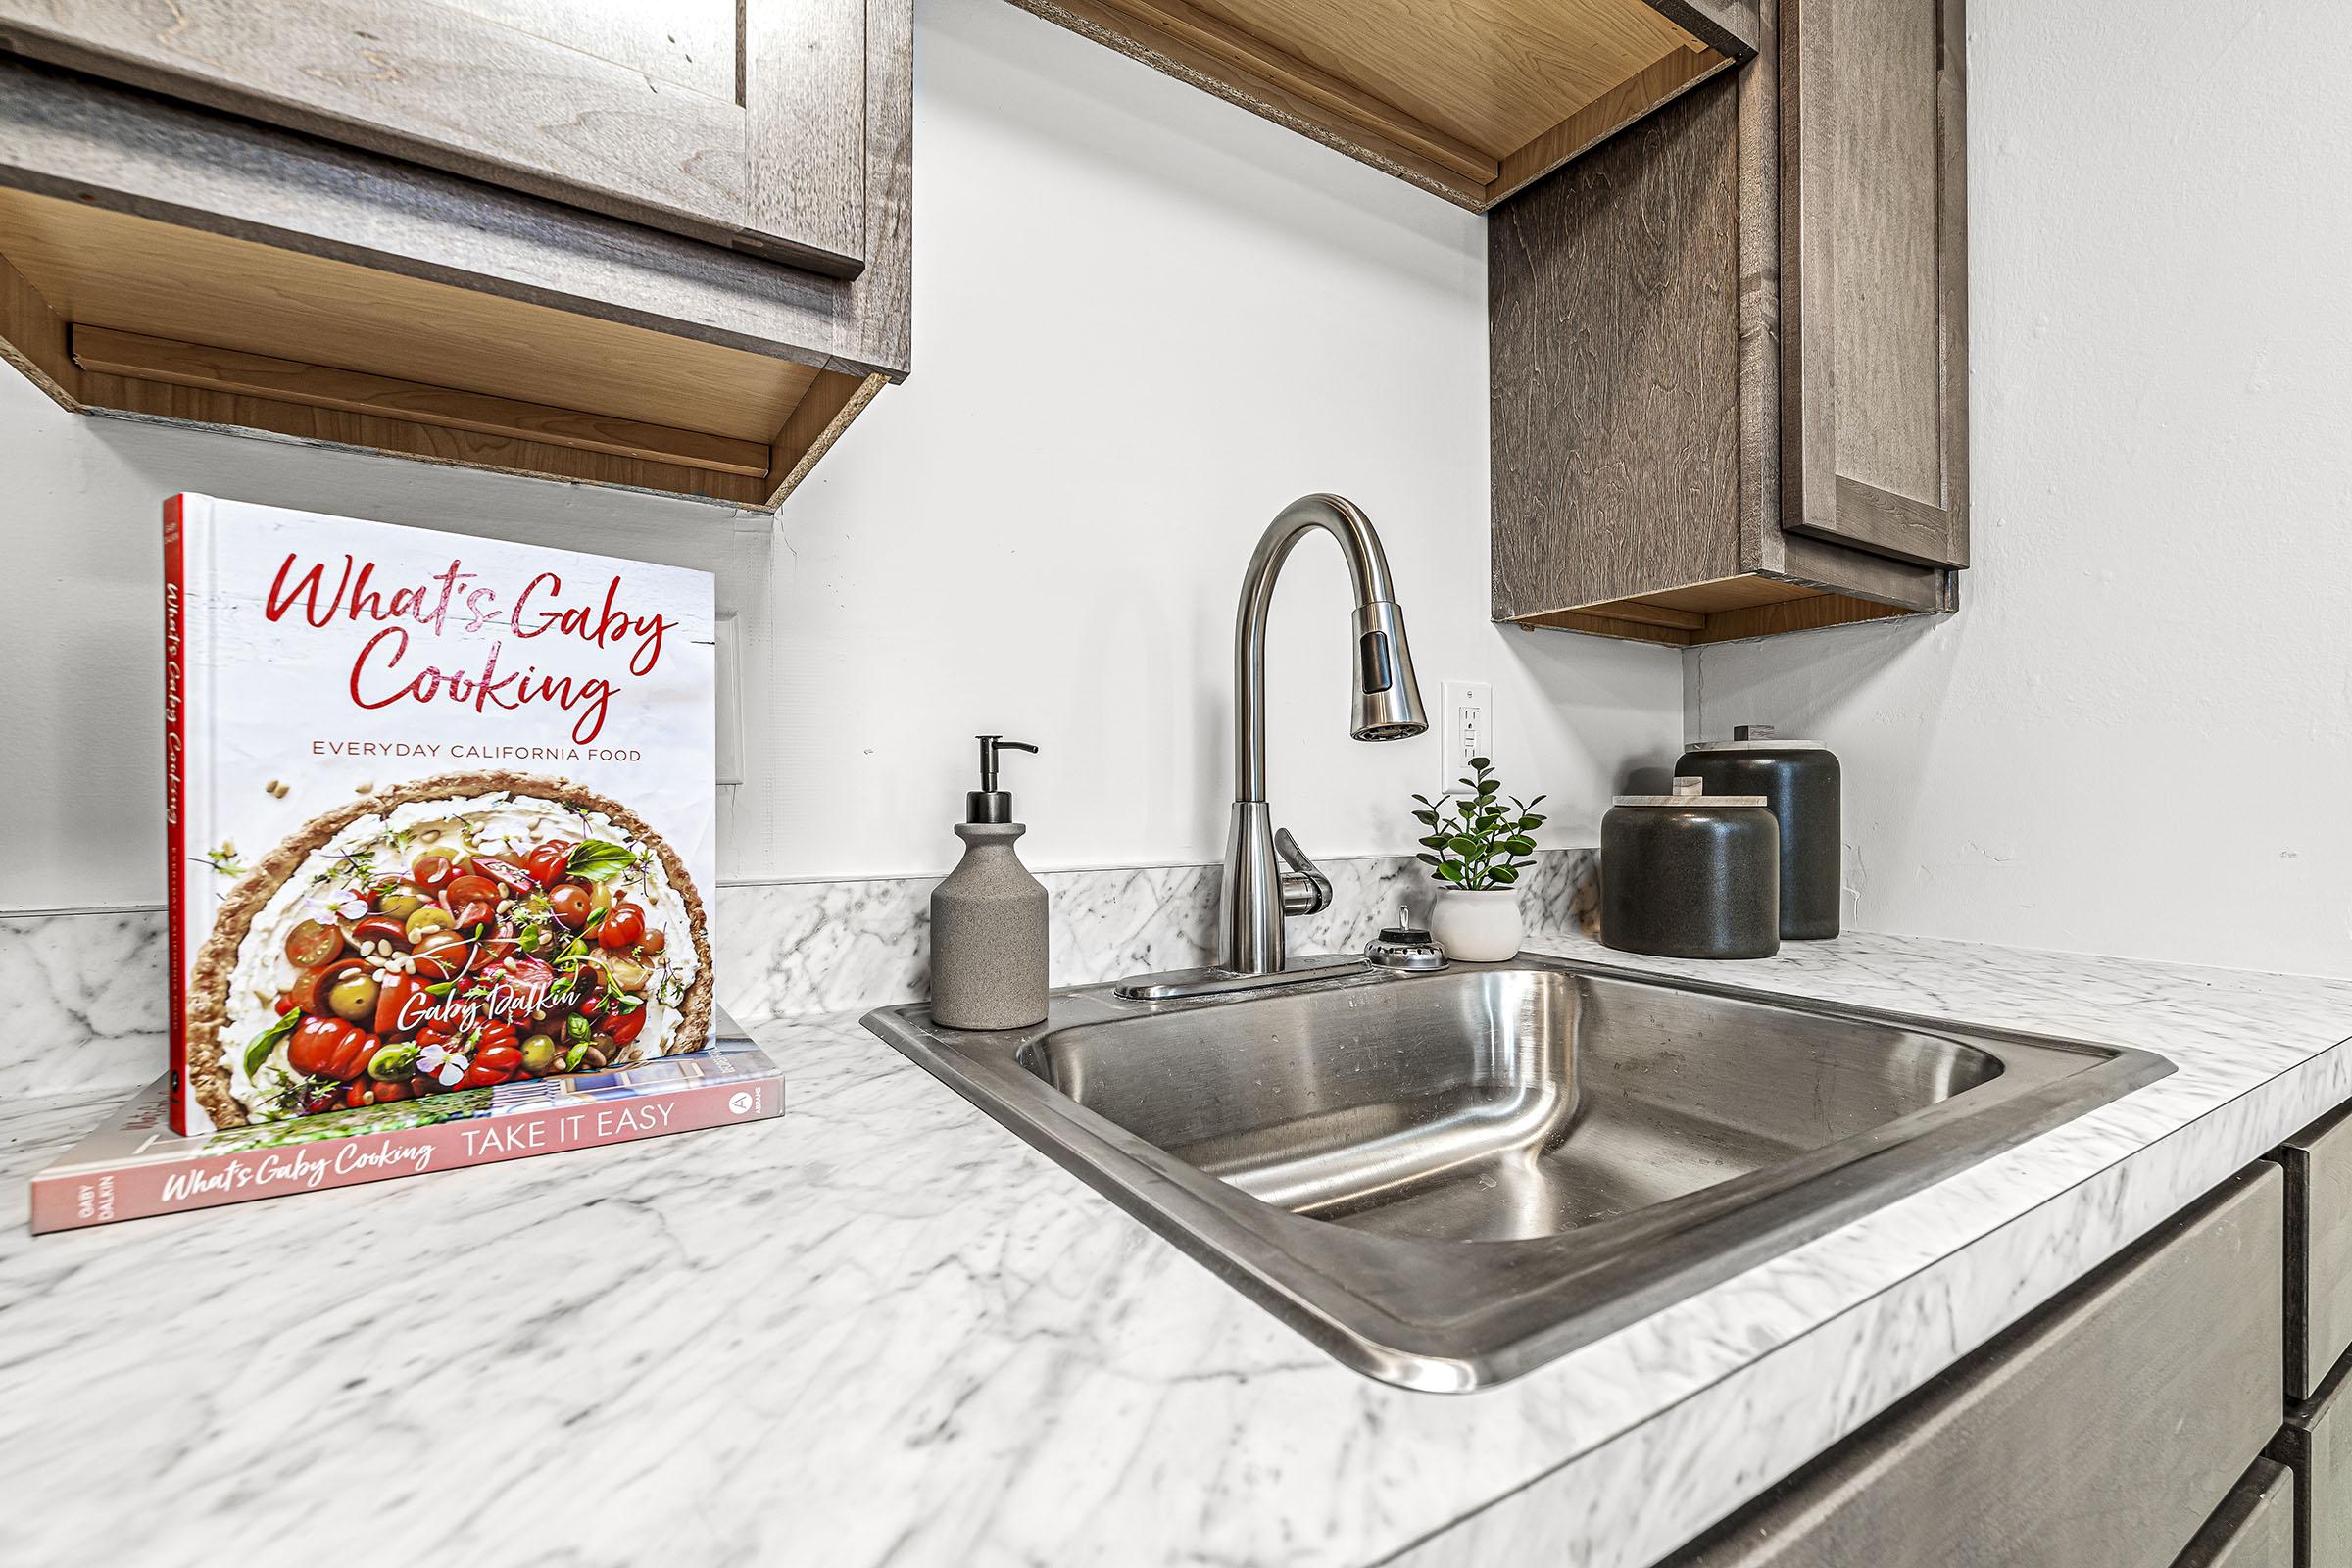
column 85, row 988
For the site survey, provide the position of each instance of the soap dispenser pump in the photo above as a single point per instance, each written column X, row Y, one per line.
column 988, row 918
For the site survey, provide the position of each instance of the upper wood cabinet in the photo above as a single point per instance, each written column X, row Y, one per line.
column 665, row 248
column 739, row 123
column 1472, row 99
column 1730, row 349
column 1874, row 274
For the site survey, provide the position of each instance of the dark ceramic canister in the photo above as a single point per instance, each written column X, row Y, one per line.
column 1691, row 875
column 1799, row 781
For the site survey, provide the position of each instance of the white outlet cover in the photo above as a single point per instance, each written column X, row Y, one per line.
column 1466, row 730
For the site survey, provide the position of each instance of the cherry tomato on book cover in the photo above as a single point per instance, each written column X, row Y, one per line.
column 548, row 861
column 313, row 943
column 570, row 904
column 312, row 987
column 472, row 887
column 393, row 1010
column 516, row 881
column 329, row 1048
column 381, row 928
column 623, row 927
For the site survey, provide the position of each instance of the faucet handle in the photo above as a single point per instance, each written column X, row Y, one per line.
column 1306, row 890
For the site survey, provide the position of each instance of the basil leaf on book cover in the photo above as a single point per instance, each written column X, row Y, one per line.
column 598, row 860
column 266, row 1041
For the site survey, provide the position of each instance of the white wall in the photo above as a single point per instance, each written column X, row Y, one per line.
column 1145, row 320
column 2135, row 738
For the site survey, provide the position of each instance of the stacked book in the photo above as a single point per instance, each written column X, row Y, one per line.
column 136, row 1166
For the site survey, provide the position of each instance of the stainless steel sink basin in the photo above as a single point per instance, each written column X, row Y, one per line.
column 1448, row 1179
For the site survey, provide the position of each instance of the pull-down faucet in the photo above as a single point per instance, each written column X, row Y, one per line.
column 1257, row 894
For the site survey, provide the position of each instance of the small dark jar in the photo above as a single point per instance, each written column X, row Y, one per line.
column 1691, row 875
column 1800, row 783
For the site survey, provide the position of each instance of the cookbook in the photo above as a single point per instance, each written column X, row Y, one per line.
column 439, row 810
column 135, row 1165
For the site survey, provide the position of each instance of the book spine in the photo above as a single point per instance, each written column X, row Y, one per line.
column 175, row 812
column 99, row 1194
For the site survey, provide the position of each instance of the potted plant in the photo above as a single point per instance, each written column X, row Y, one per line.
column 1476, row 847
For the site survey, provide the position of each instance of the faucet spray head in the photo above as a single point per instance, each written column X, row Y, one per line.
column 1388, row 699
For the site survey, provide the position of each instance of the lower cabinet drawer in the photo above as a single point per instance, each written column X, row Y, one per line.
column 2254, row 1527
column 2317, row 1444
column 2318, row 1161
column 2103, row 1432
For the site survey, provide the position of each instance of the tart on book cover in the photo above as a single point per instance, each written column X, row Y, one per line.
column 440, row 810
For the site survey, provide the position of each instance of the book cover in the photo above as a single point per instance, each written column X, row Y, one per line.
column 440, row 813
column 135, row 1167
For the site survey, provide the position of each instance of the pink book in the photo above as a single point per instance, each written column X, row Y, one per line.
column 135, row 1166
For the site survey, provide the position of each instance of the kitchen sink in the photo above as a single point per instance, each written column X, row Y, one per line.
column 1448, row 1179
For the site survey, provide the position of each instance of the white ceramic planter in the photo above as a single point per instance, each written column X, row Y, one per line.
column 1481, row 927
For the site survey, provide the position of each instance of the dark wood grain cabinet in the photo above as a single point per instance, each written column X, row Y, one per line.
column 665, row 248
column 1730, row 347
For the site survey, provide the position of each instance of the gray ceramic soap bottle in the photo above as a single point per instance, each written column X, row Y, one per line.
column 988, row 918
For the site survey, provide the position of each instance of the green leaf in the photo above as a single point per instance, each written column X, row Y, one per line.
column 598, row 861
column 266, row 1041
column 1481, row 763
column 1428, row 859
column 1463, row 845
column 1450, row 872
column 1435, row 841
column 1520, row 845
column 1426, row 819
column 1504, row 874
column 1488, row 790
column 1527, row 824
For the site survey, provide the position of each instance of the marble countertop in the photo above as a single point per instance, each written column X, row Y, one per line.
column 882, row 1330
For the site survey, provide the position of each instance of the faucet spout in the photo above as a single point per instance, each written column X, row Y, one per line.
column 1387, row 706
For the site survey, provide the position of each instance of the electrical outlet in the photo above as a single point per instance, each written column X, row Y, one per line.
column 1469, row 729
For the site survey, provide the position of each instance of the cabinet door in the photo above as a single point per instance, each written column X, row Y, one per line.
column 2100, row 1432
column 1874, row 275
column 739, row 123
column 2255, row 1528
column 2318, row 1251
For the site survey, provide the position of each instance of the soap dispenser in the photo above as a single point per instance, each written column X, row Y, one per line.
column 988, row 918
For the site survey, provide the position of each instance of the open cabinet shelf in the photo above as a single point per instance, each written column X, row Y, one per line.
column 572, row 262
column 111, row 313
column 1472, row 99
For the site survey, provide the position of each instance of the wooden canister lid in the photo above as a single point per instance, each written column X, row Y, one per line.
column 1688, row 791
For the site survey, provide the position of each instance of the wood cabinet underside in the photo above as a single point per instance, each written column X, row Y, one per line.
column 1472, row 101
column 113, row 314
column 163, row 261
